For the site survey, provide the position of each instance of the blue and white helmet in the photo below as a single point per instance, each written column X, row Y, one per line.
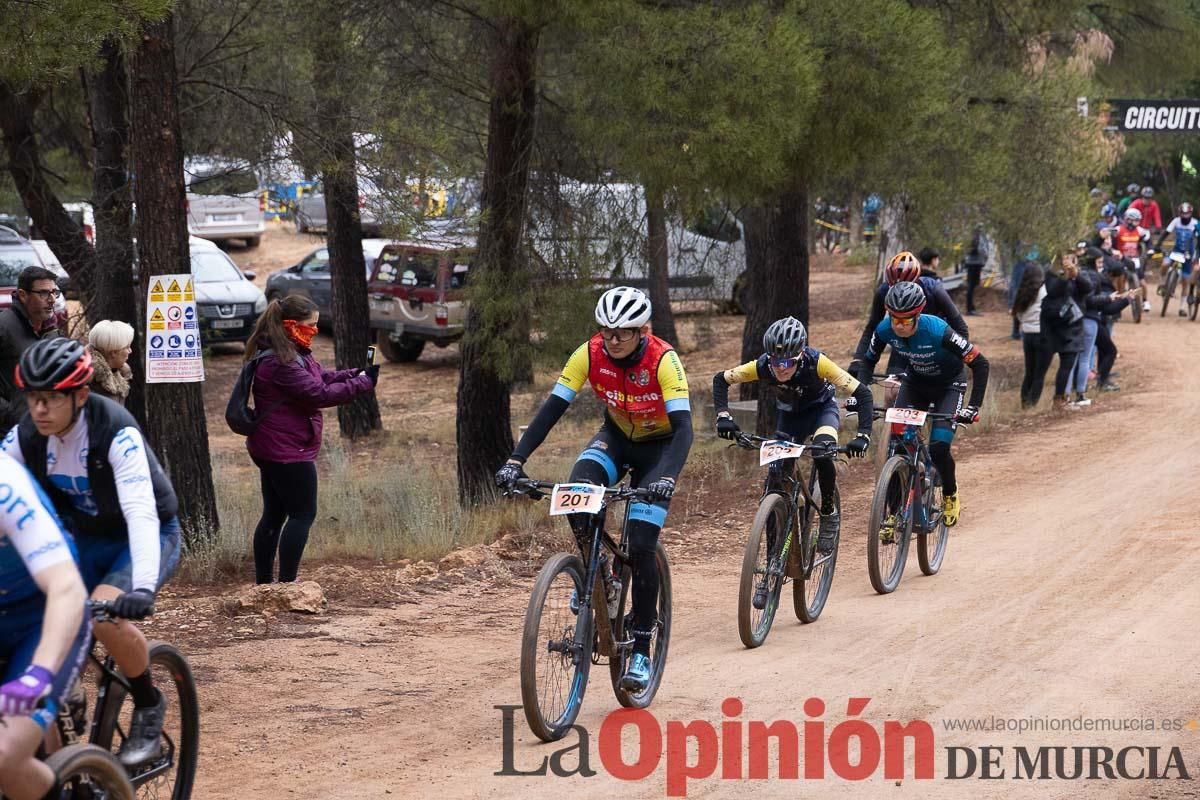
column 623, row 307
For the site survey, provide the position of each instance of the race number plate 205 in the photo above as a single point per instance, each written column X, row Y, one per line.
column 576, row 498
column 775, row 449
column 906, row 416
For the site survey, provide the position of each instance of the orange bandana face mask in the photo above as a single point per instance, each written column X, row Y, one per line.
column 300, row 333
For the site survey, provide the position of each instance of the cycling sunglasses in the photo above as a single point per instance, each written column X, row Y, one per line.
column 618, row 335
column 784, row 363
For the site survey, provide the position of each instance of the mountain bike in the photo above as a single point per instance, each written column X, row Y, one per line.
column 577, row 614
column 88, row 772
column 172, row 774
column 908, row 497
column 783, row 539
column 1171, row 280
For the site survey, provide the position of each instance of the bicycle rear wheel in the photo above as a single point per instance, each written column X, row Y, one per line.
column 1135, row 308
column 172, row 774
column 763, row 546
column 85, row 770
column 658, row 642
column 556, row 648
column 1168, row 289
column 931, row 546
column 1193, row 301
column 810, row 592
column 890, row 525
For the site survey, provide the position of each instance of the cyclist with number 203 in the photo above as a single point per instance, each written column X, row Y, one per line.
column 647, row 430
column 805, row 382
column 936, row 376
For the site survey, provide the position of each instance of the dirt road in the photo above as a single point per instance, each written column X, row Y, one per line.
column 1069, row 590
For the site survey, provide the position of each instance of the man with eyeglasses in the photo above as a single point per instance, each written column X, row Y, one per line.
column 936, row 378
column 805, row 405
column 647, row 429
column 30, row 319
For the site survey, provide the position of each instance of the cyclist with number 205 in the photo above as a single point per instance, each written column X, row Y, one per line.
column 936, row 376
column 647, row 430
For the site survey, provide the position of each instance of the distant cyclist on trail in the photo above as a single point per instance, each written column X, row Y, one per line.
column 1131, row 194
column 805, row 382
column 1132, row 241
column 1184, row 228
column 936, row 377
column 647, row 429
column 1148, row 208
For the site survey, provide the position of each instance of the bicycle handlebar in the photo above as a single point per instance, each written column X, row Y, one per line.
column 537, row 490
column 751, row 441
column 880, row 413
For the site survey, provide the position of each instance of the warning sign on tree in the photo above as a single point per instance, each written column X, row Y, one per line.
column 172, row 355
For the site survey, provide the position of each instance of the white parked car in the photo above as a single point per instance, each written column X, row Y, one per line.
column 224, row 201
column 227, row 302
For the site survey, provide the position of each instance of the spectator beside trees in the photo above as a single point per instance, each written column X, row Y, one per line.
column 111, row 342
column 29, row 319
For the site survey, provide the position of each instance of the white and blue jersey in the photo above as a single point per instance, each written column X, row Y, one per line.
column 67, row 471
column 935, row 353
column 31, row 538
column 1185, row 238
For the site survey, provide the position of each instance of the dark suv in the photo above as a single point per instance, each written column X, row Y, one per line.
column 416, row 295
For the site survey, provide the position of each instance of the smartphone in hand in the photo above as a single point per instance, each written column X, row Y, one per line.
column 371, row 355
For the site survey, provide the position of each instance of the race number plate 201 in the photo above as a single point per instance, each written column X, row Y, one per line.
column 775, row 449
column 906, row 416
column 576, row 498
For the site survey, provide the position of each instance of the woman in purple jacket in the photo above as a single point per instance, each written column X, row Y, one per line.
column 292, row 388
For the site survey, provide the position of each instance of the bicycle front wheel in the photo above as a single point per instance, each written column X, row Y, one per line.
column 1193, row 301
column 811, row 589
column 85, row 770
column 762, row 570
column 658, row 642
column 931, row 546
column 1135, row 308
column 1168, row 289
column 556, row 648
column 173, row 772
column 890, row 525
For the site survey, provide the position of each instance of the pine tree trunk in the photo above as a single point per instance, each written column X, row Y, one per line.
column 662, row 321
column 856, row 221
column 777, row 264
column 63, row 235
column 175, row 423
column 114, row 296
column 892, row 231
column 484, row 428
column 339, row 173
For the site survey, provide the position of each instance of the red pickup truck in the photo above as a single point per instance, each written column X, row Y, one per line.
column 416, row 295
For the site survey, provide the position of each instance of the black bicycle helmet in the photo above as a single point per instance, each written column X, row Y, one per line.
column 905, row 299
column 786, row 338
column 1147, row 192
column 57, row 365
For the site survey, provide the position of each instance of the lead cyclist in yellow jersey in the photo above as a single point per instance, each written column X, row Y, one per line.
column 647, row 431
column 805, row 381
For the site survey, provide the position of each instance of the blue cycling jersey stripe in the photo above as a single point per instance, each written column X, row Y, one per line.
column 603, row 459
column 565, row 392
column 679, row 404
column 655, row 515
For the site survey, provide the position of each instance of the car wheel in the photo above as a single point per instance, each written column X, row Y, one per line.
column 405, row 350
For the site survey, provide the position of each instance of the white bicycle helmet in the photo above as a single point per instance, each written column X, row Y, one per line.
column 623, row 307
column 1134, row 216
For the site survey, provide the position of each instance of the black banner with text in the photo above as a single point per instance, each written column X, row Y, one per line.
column 1154, row 116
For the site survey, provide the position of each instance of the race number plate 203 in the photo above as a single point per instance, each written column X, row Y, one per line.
column 776, row 449
column 906, row 416
column 576, row 498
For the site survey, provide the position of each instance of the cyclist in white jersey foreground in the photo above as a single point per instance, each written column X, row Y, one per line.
column 88, row 455
column 44, row 631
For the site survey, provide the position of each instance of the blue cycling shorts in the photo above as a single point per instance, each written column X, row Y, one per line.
column 109, row 562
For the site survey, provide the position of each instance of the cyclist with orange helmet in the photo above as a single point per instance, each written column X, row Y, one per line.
column 905, row 267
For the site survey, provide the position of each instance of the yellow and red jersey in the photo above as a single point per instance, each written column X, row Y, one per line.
column 639, row 397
